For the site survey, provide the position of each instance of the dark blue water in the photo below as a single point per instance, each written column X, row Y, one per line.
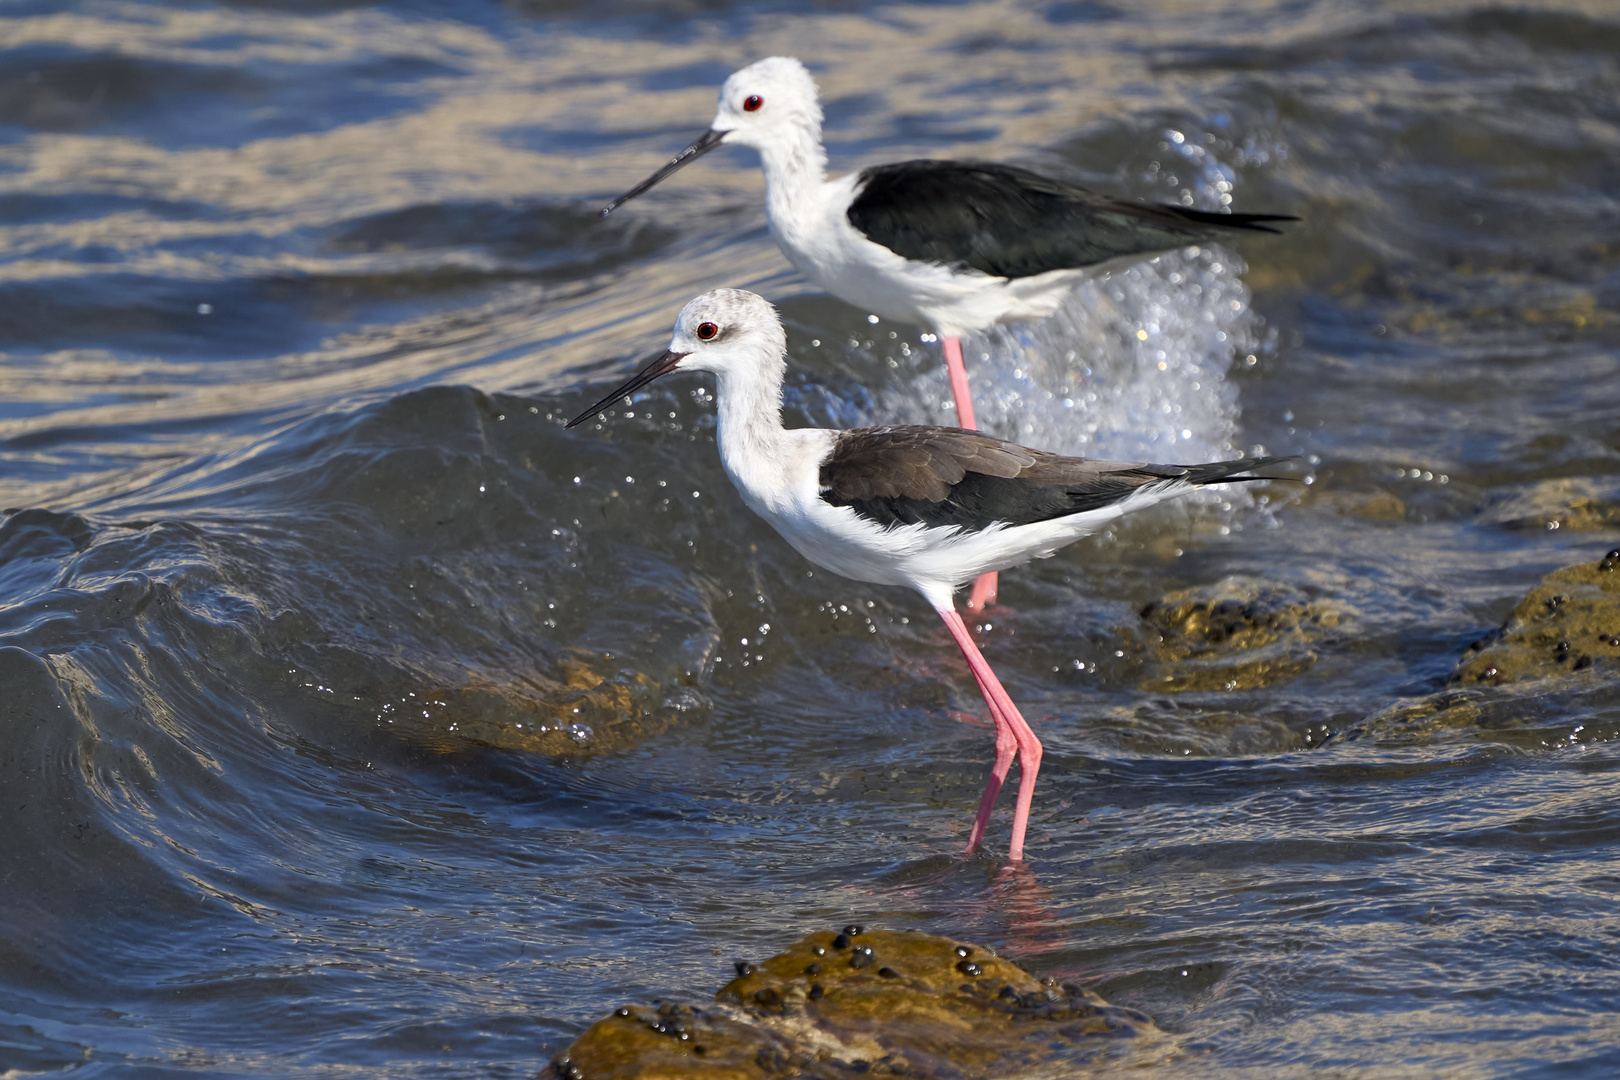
column 356, row 717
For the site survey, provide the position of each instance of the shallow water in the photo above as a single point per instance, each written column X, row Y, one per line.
column 296, row 297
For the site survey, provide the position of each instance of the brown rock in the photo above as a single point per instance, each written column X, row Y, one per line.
column 875, row 1003
column 1238, row 634
column 1519, row 683
column 1568, row 623
column 1578, row 503
column 586, row 704
column 1374, row 506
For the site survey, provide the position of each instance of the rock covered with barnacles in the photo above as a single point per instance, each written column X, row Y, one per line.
column 1237, row 634
column 1568, row 623
column 1562, row 639
column 858, row 1002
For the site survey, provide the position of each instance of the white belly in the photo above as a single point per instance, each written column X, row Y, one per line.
column 934, row 561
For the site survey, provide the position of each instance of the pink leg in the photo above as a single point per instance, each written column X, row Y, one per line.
column 984, row 589
column 1006, row 747
column 1005, row 713
column 959, row 387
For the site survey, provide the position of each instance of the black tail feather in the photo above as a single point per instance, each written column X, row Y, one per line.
column 1251, row 222
column 1223, row 472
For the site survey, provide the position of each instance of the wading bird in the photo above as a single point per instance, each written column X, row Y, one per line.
column 956, row 246
column 928, row 508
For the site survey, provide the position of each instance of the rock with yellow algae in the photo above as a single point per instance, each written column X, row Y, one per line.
column 1569, row 623
column 669, row 1041
column 1238, row 634
column 1579, row 503
column 1383, row 506
column 862, row 1003
column 1374, row 506
column 585, row 704
column 1521, row 684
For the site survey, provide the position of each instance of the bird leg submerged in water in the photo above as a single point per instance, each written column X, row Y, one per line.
column 1013, row 737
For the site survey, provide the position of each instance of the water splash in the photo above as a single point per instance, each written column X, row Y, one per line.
column 1134, row 365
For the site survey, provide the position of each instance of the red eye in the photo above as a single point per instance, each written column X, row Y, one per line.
column 707, row 330
column 752, row 103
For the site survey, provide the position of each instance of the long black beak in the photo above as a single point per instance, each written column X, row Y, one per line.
column 705, row 142
column 663, row 365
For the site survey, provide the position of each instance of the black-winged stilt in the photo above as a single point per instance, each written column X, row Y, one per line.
column 924, row 507
column 955, row 246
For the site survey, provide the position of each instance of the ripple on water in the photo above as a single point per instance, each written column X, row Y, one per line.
column 251, row 258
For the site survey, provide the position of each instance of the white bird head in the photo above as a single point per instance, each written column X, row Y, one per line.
column 770, row 104
column 727, row 330
column 768, row 101
column 730, row 332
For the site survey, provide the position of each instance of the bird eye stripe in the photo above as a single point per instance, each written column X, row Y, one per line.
column 752, row 103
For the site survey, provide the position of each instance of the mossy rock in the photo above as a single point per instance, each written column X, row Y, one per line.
column 1381, row 506
column 1238, row 634
column 1532, row 716
column 1568, row 623
column 587, row 704
column 1545, row 678
column 1578, row 503
column 853, row 1003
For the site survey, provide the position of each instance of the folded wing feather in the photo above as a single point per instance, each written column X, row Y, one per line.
column 950, row 477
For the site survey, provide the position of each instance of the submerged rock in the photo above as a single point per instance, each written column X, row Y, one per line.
column 856, row 1002
column 1237, row 634
column 1368, row 505
column 587, row 704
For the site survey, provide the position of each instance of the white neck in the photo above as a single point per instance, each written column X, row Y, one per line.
column 753, row 443
column 795, row 170
column 749, row 402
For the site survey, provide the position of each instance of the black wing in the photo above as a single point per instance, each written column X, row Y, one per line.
column 946, row 476
column 1012, row 223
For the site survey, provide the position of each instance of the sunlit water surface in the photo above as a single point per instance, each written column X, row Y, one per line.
column 295, row 297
